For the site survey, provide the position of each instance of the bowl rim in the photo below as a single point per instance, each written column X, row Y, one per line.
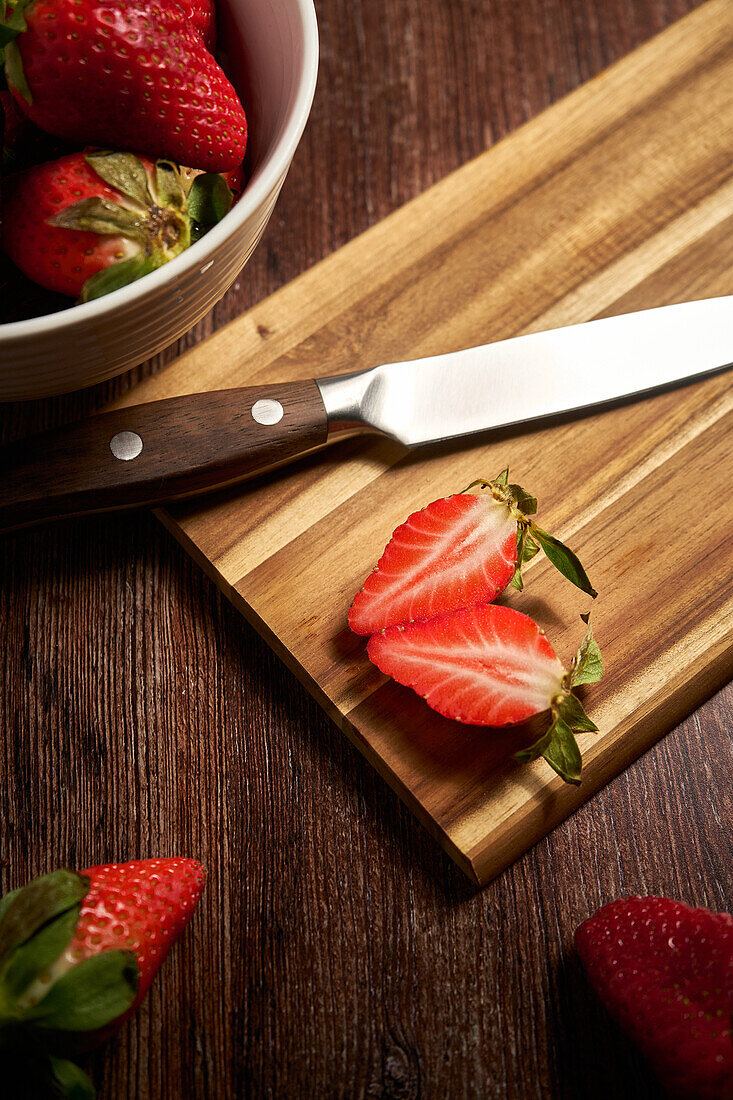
column 273, row 169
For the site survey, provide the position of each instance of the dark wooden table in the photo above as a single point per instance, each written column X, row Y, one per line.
column 337, row 951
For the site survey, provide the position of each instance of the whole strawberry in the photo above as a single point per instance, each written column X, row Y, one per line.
column 89, row 223
column 135, row 76
column 457, row 552
column 665, row 973
column 77, row 954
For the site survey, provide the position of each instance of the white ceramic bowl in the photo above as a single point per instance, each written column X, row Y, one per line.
column 270, row 48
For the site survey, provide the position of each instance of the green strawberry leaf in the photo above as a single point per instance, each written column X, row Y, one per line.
column 562, row 753
column 573, row 714
column 587, row 668
column 14, row 71
column 125, row 172
column 524, row 501
column 117, row 275
column 502, row 480
column 530, row 548
column 168, row 185
column 70, row 1081
column 532, row 752
column 517, row 580
column 96, row 215
column 12, row 22
column 89, row 996
column 564, row 559
column 37, row 903
column 7, row 34
column 36, row 954
column 6, row 900
column 208, row 201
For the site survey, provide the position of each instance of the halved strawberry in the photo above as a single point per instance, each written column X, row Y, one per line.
column 665, row 973
column 493, row 666
column 457, row 552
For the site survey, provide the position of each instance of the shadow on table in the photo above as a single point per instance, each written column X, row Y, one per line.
column 592, row 1056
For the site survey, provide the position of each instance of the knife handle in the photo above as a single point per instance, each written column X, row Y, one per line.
column 158, row 451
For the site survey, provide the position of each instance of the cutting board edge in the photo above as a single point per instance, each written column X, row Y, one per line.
column 484, row 861
column 653, row 721
column 340, row 720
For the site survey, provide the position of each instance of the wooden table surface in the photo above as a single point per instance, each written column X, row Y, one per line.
column 337, row 951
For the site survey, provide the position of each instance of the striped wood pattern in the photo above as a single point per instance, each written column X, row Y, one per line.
column 617, row 198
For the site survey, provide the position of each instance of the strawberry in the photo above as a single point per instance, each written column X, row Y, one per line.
column 492, row 666
column 78, row 952
column 234, row 179
column 665, row 973
column 459, row 551
column 137, row 76
column 89, row 223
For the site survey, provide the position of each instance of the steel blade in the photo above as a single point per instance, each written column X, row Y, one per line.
column 538, row 375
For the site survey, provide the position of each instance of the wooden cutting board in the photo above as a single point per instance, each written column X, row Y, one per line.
column 619, row 197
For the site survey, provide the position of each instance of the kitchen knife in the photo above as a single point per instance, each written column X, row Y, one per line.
column 164, row 450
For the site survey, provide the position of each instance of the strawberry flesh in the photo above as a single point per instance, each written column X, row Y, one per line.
column 456, row 552
column 665, row 972
column 487, row 665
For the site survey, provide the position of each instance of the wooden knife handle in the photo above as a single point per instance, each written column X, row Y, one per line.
column 159, row 451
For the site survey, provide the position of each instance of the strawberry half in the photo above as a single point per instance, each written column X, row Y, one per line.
column 77, row 954
column 665, row 973
column 89, row 223
column 493, row 666
column 133, row 76
column 457, row 552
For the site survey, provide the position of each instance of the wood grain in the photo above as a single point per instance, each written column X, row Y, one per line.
column 337, row 951
column 540, row 230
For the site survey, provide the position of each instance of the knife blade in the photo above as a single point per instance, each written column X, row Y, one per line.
column 168, row 449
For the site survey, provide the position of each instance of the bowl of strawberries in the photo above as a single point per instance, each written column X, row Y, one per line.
column 144, row 148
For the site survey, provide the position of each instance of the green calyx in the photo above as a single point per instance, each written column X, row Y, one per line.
column 12, row 24
column 158, row 215
column 530, row 537
column 153, row 216
column 558, row 745
column 44, row 994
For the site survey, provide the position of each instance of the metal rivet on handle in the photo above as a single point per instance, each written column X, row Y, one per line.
column 126, row 445
column 267, row 411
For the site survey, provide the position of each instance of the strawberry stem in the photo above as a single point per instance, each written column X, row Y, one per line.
column 558, row 744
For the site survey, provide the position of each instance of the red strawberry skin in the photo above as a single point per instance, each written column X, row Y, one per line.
column 487, row 665
column 131, row 77
column 665, row 972
column 141, row 906
column 59, row 259
column 455, row 553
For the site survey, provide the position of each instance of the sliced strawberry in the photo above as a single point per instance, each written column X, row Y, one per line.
column 457, row 552
column 493, row 666
column 665, row 973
